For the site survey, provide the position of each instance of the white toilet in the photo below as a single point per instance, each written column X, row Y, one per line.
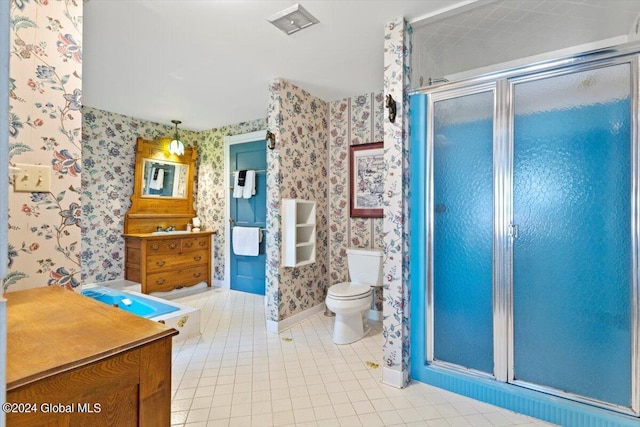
column 350, row 301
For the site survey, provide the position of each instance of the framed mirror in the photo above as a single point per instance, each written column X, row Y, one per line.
column 163, row 187
column 164, row 179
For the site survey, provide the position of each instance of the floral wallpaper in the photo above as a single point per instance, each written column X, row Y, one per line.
column 395, row 328
column 45, row 90
column 72, row 234
column 211, row 191
column 108, row 163
column 297, row 169
column 352, row 121
column 108, row 158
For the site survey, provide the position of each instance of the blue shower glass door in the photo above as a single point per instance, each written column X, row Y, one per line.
column 573, row 256
column 462, row 271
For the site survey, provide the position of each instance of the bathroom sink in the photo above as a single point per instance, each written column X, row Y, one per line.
column 162, row 233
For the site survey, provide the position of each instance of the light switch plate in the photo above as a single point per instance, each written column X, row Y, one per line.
column 32, row 178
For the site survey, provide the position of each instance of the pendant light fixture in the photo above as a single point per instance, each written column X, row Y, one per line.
column 176, row 147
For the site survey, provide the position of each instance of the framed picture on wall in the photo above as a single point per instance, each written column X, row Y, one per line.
column 366, row 168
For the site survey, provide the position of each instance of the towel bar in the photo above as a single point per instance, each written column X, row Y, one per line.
column 256, row 171
column 261, row 229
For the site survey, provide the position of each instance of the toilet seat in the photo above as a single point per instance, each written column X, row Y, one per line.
column 349, row 291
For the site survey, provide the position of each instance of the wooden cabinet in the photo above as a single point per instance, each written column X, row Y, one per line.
column 298, row 232
column 112, row 368
column 166, row 261
column 162, row 263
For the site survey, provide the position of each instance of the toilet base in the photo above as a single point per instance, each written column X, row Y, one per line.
column 349, row 328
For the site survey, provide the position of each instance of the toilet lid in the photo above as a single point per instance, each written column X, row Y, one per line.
column 349, row 290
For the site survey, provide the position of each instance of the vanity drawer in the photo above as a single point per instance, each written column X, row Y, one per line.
column 163, row 246
column 172, row 260
column 177, row 278
column 168, row 262
column 195, row 243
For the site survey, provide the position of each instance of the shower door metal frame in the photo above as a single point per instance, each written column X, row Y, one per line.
column 499, row 330
column 633, row 62
column 501, row 83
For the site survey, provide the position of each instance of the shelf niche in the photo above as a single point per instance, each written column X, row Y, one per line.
column 298, row 232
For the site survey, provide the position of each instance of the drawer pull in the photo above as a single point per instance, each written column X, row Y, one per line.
column 173, row 245
column 196, row 275
column 188, row 244
column 160, row 263
column 159, row 281
column 202, row 242
column 155, row 246
column 197, row 258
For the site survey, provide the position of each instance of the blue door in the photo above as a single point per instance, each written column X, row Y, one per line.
column 247, row 273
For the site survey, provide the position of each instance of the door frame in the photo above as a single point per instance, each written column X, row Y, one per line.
column 228, row 141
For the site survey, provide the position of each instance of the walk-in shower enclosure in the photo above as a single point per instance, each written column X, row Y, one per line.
column 525, row 235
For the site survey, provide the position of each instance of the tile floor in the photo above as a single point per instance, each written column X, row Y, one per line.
column 237, row 374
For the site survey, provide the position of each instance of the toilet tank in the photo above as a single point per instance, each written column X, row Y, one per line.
column 365, row 266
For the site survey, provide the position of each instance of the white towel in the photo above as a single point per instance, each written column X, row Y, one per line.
column 249, row 185
column 157, row 179
column 246, row 240
column 237, row 190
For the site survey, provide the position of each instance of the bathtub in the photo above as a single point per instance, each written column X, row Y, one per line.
column 128, row 301
column 181, row 317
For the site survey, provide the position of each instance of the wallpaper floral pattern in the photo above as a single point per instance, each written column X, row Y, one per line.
column 211, row 190
column 71, row 235
column 352, row 121
column 297, row 169
column 108, row 158
column 395, row 329
column 108, row 162
column 45, row 90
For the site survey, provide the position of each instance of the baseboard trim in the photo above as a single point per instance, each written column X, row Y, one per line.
column 277, row 327
column 393, row 377
column 219, row 284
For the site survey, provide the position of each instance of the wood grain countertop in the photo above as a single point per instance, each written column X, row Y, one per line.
column 169, row 235
column 52, row 330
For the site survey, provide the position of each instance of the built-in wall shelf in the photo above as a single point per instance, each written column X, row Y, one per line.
column 298, row 232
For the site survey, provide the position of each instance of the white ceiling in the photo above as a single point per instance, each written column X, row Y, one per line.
column 208, row 62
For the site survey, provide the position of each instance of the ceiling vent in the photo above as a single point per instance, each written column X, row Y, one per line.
column 293, row 19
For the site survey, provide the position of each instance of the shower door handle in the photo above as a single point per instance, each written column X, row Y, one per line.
column 514, row 231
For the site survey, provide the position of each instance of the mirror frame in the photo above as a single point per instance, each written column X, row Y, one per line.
column 146, row 213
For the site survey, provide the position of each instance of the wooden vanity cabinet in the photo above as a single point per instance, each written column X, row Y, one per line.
column 163, row 263
column 74, row 361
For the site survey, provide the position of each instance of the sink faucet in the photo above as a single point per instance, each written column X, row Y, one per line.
column 170, row 228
